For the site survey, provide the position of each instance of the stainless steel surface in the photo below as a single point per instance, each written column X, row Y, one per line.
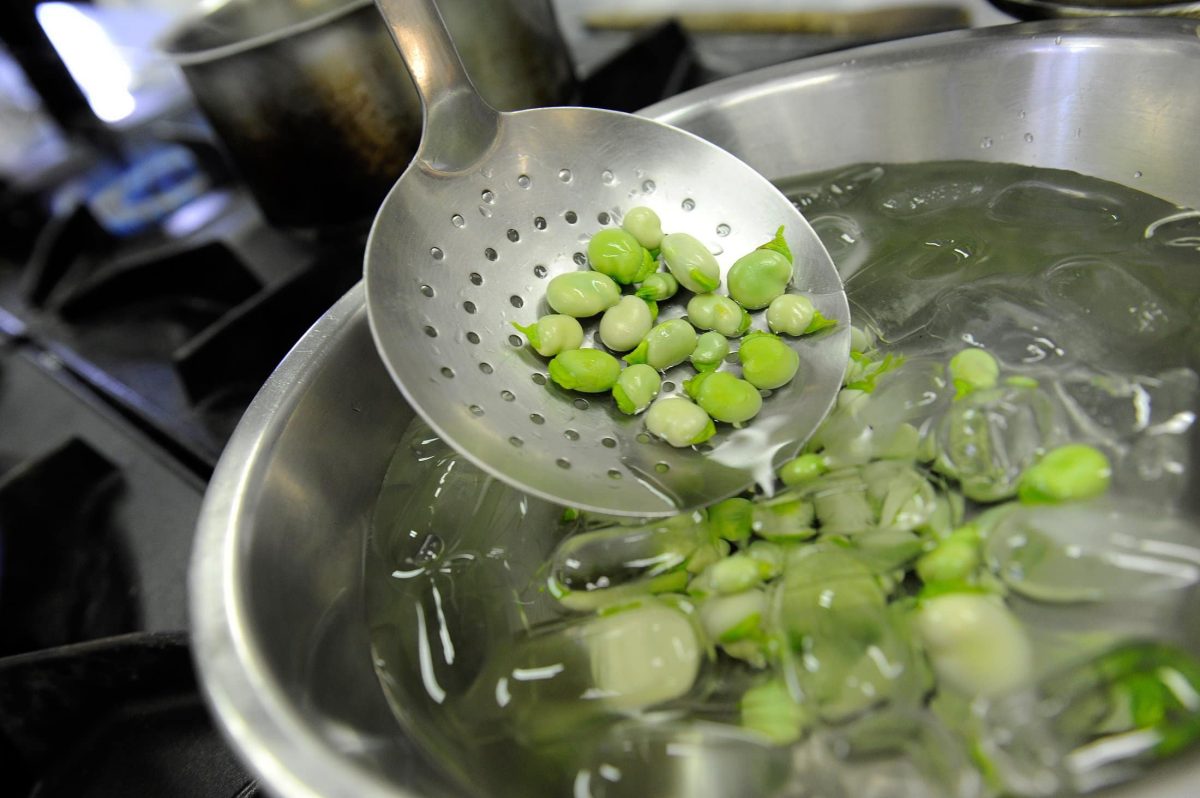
column 451, row 263
column 276, row 580
column 314, row 105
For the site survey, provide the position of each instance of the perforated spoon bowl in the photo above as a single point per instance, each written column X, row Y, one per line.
column 492, row 207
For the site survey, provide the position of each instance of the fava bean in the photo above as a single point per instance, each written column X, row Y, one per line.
column 552, row 334
column 625, row 324
column 1069, row 473
column 794, row 314
column 691, row 263
column 805, row 468
column 636, row 388
column 679, row 422
column 582, row 294
column 730, row 519
column 758, row 278
column 720, row 313
column 585, row 370
column 668, row 344
column 790, row 314
column 973, row 370
column 725, row 397
column 618, row 254
column 658, row 286
column 767, row 362
column 644, row 225
column 711, row 349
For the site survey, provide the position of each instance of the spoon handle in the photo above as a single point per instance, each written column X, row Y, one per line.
column 459, row 124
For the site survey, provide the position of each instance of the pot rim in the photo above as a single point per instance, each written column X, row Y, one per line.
column 250, row 704
column 167, row 42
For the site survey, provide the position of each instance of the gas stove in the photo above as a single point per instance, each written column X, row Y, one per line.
column 143, row 301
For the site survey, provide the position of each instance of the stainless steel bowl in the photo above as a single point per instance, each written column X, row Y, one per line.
column 276, row 580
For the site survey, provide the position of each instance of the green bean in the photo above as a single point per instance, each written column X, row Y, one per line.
column 802, row 469
column 625, row 324
column 552, row 334
column 644, row 225
column 711, row 349
column 720, row 313
column 658, row 286
column 636, row 388
column 691, row 263
column 1069, row 473
column 586, row 370
column 973, row 370
column 679, row 422
column 758, row 278
column 582, row 294
column 726, row 398
column 731, row 519
column 668, row 344
column 767, row 362
column 614, row 252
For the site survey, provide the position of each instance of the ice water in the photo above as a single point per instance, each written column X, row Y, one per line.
column 1091, row 288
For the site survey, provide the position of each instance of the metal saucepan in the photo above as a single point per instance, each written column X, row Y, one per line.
column 314, row 104
column 277, row 577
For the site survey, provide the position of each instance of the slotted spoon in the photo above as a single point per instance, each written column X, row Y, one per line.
column 492, row 207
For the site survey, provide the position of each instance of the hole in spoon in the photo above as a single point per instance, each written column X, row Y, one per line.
column 458, row 221
column 523, row 181
column 539, row 223
column 564, row 175
column 571, row 217
column 490, row 254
